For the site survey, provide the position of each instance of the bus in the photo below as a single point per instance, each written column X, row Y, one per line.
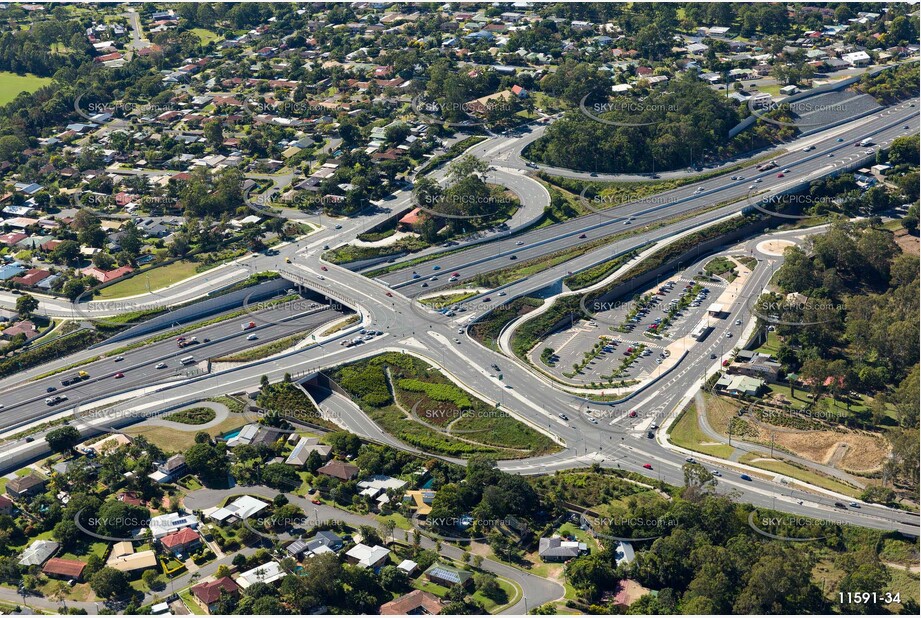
column 700, row 333
column 188, row 360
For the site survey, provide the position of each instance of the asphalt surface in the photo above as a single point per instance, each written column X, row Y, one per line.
column 521, row 393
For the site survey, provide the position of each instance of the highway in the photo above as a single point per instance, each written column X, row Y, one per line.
column 523, row 394
column 25, row 402
column 803, row 166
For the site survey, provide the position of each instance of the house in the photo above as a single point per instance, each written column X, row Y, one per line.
column 208, row 594
column 240, row 509
column 368, row 557
column 741, row 385
column 124, row 558
column 410, row 219
column 408, row 566
column 38, row 552
column 324, row 542
column 377, row 486
column 61, row 568
column 161, row 525
column 555, row 549
column 519, row 92
column 415, row 603
column 25, row 486
column 422, row 499
column 448, row 576
column 6, row 506
column 623, row 553
column 266, row 574
column 104, row 276
column 32, row 277
column 339, row 470
column 182, row 542
column 857, row 59
column 170, row 469
column 25, row 328
column 789, row 90
column 302, row 450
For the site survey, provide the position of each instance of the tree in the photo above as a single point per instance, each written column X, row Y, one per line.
column 281, row 476
column 66, row 533
column 117, row 518
column 393, row 579
column 208, row 461
column 214, row 133
column 26, row 305
column 109, row 583
column 66, row 253
column 62, row 439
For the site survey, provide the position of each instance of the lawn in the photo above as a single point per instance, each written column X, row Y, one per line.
column 771, row 345
column 153, row 279
column 262, row 351
column 189, row 600
column 173, row 440
column 511, row 594
column 802, row 474
column 12, row 84
column 686, row 432
column 400, row 521
column 204, row 35
column 423, row 584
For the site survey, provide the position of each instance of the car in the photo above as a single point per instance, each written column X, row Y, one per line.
column 487, row 299
column 252, row 338
column 513, row 257
column 647, row 466
column 593, row 175
column 416, row 275
column 30, row 439
column 338, row 226
column 456, row 340
column 425, row 285
column 119, row 375
column 728, row 335
column 690, row 460
column 650, row 435
column 582, row 236
column 315, row 501
column 390, row 294
column 51, row 389
column 808, row 148
column 733, row 178
column 433, row 278
column 436, row 267
column 854, row 505
column 750, row 187
column 180, row 339
column 726, row 363
column 119, row 359
column 519, row 243
column 16, row 293
column 563, row 416
column 455, row 274
column 745, row 477
column 632, row 414
column 830, row 155
column 323, row 268
column 712, row 356
column 716, row 473
column 161, row 366
column 786, row 171
column 594, row 421
column 840, row 505
column 325, row 247
column 757, row 180
column 460, row 331
column 321, row 277
column 780, row 175
column 738, row 322
column 206, row 340
column 840, row 139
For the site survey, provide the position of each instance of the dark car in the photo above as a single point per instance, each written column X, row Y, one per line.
column 513, row 257
column 840, row 505
column 50, row 389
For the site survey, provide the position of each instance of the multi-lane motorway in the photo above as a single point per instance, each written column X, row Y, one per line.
column 523, row 394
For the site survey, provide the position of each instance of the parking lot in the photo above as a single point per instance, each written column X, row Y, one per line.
column 625, row 341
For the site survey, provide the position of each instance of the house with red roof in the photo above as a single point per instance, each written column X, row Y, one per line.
column 208, row 594
column 104, row 276
column 62, row 568
column 32, row 277
column 413, row 217
column 181, row 542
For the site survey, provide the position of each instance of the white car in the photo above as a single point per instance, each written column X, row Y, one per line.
column 501, row 294
column 161, row 366
column 738, row 322
column 728, row 335
column 519, row 243
column 252, row 338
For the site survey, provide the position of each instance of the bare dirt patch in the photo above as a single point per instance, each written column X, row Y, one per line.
column 907, row 243
column 851, row 451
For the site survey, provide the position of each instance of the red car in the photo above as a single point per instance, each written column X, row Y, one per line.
column 780, row 175
column 119, row 375
column 632, row 414
column 455, row 274
column 323, row 268
column 647, row 466
column 180, row 338
column 315, row 501
column 389, row 294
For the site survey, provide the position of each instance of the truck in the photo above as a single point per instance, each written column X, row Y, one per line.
column 248, row 325
column 767, row 166
column 77, row 377
column 190, row 341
